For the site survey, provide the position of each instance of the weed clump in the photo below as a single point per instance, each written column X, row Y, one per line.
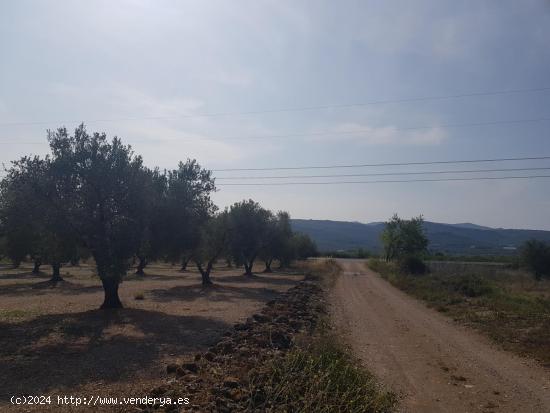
column 471, row 285
column 322, row 378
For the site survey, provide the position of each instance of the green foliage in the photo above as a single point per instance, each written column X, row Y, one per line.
column 101, row 184
column 536, row 256
column 250, row 231
column 213, row 243
column 32, row 220
column 304, row 247
column 404, row 237
column 410, row 264
column 471, row 285
column 187, row 206
column 278, row 240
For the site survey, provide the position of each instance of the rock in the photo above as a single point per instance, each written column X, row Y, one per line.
column 190, row 378
column 159, row 391
column 280, row 340
column 231, row 382
column 209, row 356
column 235, row 394
column 225, row 347
column 261, row 318
column 241, row 326
column 192, row 367
column 171, row 368
column 281, row 319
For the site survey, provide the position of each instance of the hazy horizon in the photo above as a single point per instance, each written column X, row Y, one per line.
column 149, row 72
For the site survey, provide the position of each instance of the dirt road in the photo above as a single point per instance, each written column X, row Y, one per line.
column 434, row 364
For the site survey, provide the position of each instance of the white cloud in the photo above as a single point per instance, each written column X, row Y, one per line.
column 384, row 135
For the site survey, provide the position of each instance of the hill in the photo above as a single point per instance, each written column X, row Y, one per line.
column 463, row 238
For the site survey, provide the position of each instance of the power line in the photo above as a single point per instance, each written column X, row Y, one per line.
column 384, row 164
column 385, row 181
column 316, row 133
column 385, row 174
column 291, row 109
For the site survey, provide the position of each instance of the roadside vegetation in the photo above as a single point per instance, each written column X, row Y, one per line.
column 319, row 374
column 509, row 305
column 321, row 377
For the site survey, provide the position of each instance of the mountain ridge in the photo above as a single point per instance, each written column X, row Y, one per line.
column 461, row 238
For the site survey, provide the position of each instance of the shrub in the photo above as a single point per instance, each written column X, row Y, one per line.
column 471, row 285
column 411, row 264
column 536, row 256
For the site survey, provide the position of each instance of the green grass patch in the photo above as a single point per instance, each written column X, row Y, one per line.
column 15, row 315
column 322, row 377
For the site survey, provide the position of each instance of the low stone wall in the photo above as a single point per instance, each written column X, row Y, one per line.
column 218, row 380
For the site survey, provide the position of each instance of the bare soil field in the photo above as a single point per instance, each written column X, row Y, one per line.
column 435, row 364
column 54, row 340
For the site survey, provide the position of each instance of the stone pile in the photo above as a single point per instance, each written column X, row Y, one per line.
column 218, row 380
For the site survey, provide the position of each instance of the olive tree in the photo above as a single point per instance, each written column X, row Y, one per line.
column 151, row 220
column 249, row 224
column 101, row 184
column 213, row 243
column 303, row 246
column 187, row 206
column 278, row 236
column 35, row 225
column 402, row 237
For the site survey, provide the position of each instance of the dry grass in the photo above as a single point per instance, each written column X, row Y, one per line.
column 55, row 341
column 320, row 377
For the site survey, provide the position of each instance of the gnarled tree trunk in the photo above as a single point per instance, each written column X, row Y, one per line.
column 248, row 268
column 110, row 287
column 268, row 265
column 36, row 268
column 184, row 262
column 205, row 273
column 141, row 266
column 56, row 273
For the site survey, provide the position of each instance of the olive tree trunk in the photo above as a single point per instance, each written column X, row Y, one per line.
column 268, row 265
column 184, row 263
column 36, row 268
column 56, row 273
column 141, row 266
column 205, row 273
column 110, row 287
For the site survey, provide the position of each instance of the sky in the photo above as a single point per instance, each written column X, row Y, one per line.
column 270, row 84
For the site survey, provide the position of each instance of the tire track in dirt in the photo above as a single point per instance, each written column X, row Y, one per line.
column 433, row 363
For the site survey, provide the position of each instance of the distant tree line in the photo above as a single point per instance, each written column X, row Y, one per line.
column 92, row 196
column 405, row 242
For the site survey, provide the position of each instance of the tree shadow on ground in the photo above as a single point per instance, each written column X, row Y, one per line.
column 24, row 275
column 44, row 287
column 161, row 277
column 65, row 350
column 215, row 292
column 268, row 278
